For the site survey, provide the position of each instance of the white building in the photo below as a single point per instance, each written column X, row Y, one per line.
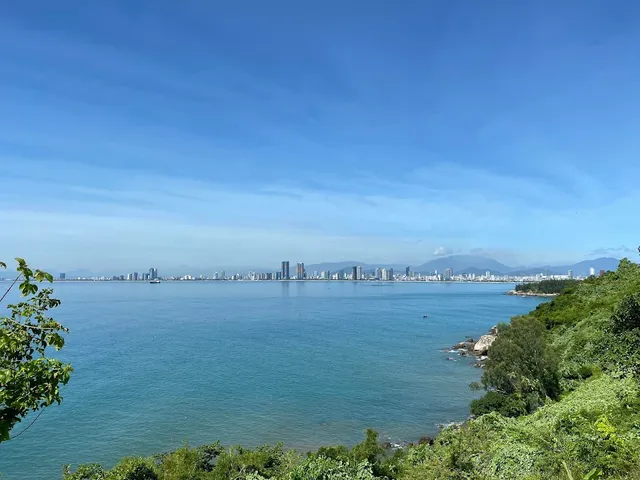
column 592, row 271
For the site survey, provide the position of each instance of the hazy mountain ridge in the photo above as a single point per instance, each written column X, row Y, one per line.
column 472, row 264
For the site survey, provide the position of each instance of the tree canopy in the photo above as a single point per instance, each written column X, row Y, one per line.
column 29, row 379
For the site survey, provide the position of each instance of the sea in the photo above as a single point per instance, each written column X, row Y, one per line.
column 303, row 363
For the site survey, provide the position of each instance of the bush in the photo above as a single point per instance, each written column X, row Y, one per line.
column 627, row 314
column 523, row 369
column 507, row 405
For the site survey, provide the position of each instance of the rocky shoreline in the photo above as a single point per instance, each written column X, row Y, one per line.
column 530, row 294
column 473, row 348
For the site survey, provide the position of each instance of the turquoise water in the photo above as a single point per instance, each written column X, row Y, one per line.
column 306, row 363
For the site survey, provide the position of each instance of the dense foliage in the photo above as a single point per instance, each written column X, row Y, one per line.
column 550, row 286
column 562, row 402
column 29, row 380
column 522, row 371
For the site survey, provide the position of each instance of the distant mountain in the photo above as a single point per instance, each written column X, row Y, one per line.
column 477, row 271
column 348, row 265
column 471, row 264
column 580, row 268
column 463, row 264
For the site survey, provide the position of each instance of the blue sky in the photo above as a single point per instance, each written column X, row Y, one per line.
column 198, row 134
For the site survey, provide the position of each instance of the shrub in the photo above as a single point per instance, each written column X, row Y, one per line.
column 627, row 314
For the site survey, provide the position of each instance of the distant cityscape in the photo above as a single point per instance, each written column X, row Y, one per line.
column 355, row 273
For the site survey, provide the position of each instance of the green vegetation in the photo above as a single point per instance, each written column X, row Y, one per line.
column 562, row 402
column 522, row 371
column 29, row 380
column 546, row 286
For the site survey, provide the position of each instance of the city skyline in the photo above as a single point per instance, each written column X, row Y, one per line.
column 461, row 262
column 208, row 136
column 428, row 271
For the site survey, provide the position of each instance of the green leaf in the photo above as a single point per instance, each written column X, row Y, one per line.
column 3, row 265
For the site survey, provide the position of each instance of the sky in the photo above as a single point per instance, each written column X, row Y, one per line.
column 198, row 134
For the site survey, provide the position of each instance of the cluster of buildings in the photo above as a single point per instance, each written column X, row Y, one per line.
column 355, row 273
column 131, row 277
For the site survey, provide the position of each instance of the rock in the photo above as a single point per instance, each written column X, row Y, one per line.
column 494, row 330
column 448, row 425
column 458, row 346
column 426, row 440
column 482, row 346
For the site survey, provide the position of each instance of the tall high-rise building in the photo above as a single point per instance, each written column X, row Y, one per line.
column 448, row 274
column 359, row 272
column 284, row 270
column 378, row 273
column 153, row 273
column 570, row 274
column 386, row 274
column 354, row 273
column 135, row 275
column 278, row 275
column 300, row 271
column 592, row 271
column 130, row 276
column 62, row 276
column 407, row 271
column 488, row 274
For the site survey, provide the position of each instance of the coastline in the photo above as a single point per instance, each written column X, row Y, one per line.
column 531, row 294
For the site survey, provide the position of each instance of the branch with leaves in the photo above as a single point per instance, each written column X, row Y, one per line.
column 29, row 379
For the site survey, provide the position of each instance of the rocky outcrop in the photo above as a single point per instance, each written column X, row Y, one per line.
column 530, row 294
column 478, row 349
column 482, row 346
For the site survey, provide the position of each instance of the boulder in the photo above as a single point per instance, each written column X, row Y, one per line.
column 494, row 330
column 482, row 346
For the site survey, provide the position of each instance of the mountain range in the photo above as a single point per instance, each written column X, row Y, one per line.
column 475, row 264
column 459, row 263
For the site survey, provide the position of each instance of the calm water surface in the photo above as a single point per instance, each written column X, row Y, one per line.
column 306, row 363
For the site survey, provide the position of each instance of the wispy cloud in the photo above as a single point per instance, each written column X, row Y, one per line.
column 614, row 251
column 135, row 215
column 441, row 251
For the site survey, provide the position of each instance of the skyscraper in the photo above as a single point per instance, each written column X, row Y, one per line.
column 570, row 275
column 135, row 275
column 63, row 276
column 285, row 270
column 300, row 271
column 354, row 273
column 378, row 273
column 407, row 271
column 359, row 272
column 592, row 271
column 448, row 274
column 153, row 273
